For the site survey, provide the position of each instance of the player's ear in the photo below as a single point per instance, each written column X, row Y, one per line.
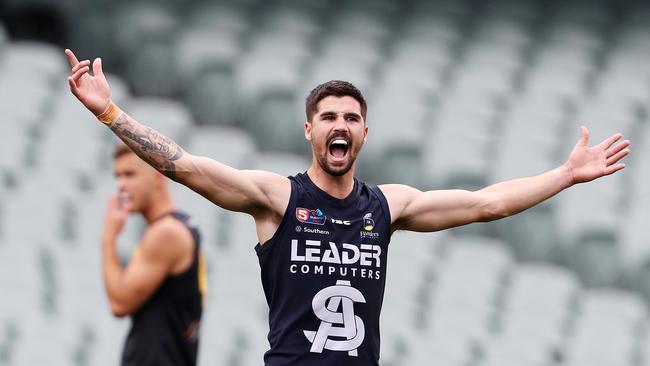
column 308, row 130
column 365, row 134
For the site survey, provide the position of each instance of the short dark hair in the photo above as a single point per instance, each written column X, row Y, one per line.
column 337, row 88
column 120, row 148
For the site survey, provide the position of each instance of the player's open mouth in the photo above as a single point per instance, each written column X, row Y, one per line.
column 338, row 148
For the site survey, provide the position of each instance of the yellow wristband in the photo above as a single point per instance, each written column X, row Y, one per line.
column 110, row 114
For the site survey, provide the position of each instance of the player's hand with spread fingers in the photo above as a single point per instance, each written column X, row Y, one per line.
column 587, row 163
column 92, row 91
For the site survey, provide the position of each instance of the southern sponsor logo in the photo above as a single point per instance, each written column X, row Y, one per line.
column 308, row 216
column 340, row 329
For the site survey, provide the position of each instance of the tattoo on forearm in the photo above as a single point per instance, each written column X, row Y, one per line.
column 153, row 147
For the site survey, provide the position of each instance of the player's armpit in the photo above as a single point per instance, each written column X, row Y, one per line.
column 163, row 245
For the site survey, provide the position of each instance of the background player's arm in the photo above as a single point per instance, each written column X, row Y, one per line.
column 254, row 192
column 414, row 210
column 164, row 245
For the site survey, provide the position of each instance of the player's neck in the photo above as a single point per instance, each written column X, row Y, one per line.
column 336, row 186
column 159, row 207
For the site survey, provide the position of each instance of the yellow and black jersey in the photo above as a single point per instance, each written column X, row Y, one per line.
column 165, row 330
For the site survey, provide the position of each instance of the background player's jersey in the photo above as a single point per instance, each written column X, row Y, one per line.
column 165, row 330
column 323, row 274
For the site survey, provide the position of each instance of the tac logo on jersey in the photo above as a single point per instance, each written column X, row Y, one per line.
column 368, row 222
column 307, row 216
column 340, row 329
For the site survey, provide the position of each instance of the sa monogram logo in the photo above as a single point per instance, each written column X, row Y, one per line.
column 343, row 296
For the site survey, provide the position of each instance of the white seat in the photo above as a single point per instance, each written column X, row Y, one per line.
column 432, row 29
column 606, row 330
column 323, row 70
column 280, row 163
column 554, row 289
column 499, row 57
column 144, row 23
column 168, row 117
column 512, row 10
column 583, row 13
column 290, row 19
column 447, row 8
column 222, row 17
column 507, row 30
column 362, row 25
column 615, row 306
column 517, row 351
column 366, row 51
column 588, row 208
column 41, row 59
column 197, row 48
column 447, row 166
column 571, row 34
column 230, row 146
column 635, row 251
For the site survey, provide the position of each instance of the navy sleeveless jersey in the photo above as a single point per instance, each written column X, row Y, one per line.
column 323, row 274
column 165, row 329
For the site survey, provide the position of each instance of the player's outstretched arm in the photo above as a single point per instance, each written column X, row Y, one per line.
column 414, row 210
column 254, row 192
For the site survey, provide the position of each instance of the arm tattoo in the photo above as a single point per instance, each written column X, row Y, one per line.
column 156, row 149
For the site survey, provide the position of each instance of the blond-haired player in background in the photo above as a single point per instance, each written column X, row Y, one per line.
column 162, row 286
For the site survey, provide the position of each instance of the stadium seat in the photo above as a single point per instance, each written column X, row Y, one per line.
column 607, row 328
column 222, row 17
column 398, row 149
column 200, row 48
column 512, row 10
column 445, row 8
column 210, row 95
column 582, row 13
column 143, row 23
column 4, row 39
column 167, row 116
column 151, row 70
column 43, row 60
column 511, row 32
column 291, row 19
column 429, row 28
column 277, row 122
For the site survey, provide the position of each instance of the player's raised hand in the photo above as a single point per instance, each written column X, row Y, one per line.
column 91, row 90
column 590, row 162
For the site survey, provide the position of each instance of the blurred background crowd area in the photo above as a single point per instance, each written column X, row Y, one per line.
column 461, row 94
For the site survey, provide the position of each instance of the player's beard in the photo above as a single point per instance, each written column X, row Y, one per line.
column 335, row 171
column 340, row 170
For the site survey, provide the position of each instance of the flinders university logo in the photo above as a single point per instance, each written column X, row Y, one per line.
column 368, row 222
column 334, row 305
column 368, row 226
